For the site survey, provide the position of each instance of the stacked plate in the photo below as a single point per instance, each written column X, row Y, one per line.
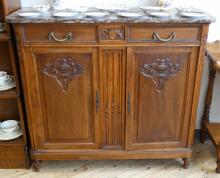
column 30, row 14
column 190, row 12
column 2, row 27
column 158, row 12
column 10, row 130
column 7, row 82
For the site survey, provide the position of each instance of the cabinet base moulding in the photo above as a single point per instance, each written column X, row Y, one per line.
column 110, row 155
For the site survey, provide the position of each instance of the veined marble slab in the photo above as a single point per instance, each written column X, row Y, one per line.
column 112, row 18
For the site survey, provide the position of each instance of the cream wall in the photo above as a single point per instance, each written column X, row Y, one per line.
column 210, row 6
column 89, row 2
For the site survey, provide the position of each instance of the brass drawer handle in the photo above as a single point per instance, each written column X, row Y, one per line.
column 68, row 37
column 157, row 37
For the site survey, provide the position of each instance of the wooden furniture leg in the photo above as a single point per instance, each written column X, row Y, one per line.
column 36, row 165
column 205, row 118
column 218, row 159
column 186, row 163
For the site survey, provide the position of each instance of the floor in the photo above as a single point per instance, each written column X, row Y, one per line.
column 202, row 166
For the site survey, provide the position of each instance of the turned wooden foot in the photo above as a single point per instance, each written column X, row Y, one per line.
column 186, row 163
column 36, row 165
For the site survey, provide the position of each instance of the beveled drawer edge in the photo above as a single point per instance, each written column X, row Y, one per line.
column 129, row 40
column 47, row 41
column 153, row 41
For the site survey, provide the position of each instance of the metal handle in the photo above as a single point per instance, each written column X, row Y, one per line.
column 97, row 102
column 68, row 36
column 129, row 103
column 157, row 37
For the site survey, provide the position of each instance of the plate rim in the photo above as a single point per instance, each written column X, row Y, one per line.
column 104, row 13
column 75, row 13
column 153, row 14
column 184, row 14
column 120, row 14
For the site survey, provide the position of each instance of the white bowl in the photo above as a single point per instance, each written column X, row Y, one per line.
column 9, row 126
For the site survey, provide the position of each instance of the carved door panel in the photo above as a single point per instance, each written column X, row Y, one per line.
column 160, row 85
column 112, row 62
column 63, row 97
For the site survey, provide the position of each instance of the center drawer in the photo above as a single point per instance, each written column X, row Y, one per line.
column 163, row 34
column 57, row 33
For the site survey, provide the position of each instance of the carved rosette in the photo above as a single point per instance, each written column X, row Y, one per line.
column 160, row 72
column 112, row 34
column 64, row 70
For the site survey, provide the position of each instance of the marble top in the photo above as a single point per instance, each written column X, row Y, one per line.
column 47, row 17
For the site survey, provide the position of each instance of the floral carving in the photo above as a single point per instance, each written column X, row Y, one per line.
column 113, row 34
column 160, row 72
column 64, row 70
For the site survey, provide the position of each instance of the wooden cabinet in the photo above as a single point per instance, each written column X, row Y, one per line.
column 115, row 98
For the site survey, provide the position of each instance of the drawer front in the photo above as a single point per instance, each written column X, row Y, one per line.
column 59, row 33
column 163, row 34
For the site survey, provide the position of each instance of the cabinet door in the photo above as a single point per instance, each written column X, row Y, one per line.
column 160, row 84
column 62, row 89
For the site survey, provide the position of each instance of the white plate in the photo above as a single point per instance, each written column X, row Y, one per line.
column 159, row 14
column 65, row 14
column 29, row 14
column 2, row 29
column 10, row 136
column 4, row 137
column 192, row 14
column 96, row 14
column 130, row 14
column 9, row 86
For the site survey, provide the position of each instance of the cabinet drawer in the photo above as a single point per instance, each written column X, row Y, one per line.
column 163, row 34
column 59, row 33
